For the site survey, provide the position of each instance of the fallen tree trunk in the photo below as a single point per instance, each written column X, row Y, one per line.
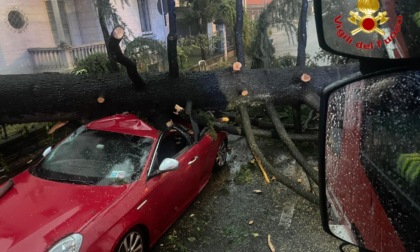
column 48, row 97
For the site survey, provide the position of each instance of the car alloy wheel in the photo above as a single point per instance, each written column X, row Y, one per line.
column 133, row 241
column 221, row 154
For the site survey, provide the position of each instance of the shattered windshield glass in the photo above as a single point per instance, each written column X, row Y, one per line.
column 96, row 158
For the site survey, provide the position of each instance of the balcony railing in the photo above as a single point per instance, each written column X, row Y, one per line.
column 62, row 59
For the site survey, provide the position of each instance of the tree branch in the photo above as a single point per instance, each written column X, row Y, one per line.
column 289, row 144
column 172, row 41
column 311, row 99
column 116, row 53
column 294, row 186
column 238, row 32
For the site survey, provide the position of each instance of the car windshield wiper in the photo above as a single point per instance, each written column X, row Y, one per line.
column 72, row 181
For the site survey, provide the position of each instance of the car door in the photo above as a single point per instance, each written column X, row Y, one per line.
column 206, row 150
column 169, row 192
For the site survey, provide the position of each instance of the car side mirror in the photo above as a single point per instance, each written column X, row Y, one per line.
column 168, row 164
column 46, row 151
column 370, row 161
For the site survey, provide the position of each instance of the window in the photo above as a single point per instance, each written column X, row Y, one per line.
column 144, row 16
column 64, row 22
column 172, row 143
column 16, row 19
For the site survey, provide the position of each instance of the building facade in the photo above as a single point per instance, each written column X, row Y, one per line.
column 52, row 35
column 254, row 7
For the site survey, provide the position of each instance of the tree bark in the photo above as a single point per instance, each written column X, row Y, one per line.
column 105, row 34
column 172, row 41
column 302, row 34
column 238, row 32
column 48, row 97
column 291, row 184
column 116, row 53
column 300, row 159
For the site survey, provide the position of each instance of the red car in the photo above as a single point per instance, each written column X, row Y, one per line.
column 115, row 184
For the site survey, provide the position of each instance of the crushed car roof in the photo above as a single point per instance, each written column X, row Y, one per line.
column 125, row 124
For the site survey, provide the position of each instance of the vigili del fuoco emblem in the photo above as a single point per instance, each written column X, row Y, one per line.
column 368, row 22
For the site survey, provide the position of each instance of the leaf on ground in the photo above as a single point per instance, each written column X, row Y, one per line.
column 191, row 239
column 251, row 222
column 255, row 234
column 257, row 191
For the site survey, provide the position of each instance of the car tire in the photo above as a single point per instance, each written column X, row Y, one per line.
column 221, row 156
column 133, row 241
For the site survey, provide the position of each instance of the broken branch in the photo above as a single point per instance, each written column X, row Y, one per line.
column 289, row 143
column 294, row 186
column 116, row 53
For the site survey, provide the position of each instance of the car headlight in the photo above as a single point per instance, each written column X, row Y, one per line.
column 71, row 243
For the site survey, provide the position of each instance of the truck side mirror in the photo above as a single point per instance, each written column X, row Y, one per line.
column 370, row 161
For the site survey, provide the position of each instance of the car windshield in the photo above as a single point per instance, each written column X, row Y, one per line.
column 95, row 158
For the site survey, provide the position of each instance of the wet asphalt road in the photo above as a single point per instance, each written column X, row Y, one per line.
column 230, row 216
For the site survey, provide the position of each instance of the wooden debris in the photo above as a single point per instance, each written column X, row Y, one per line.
column 305, row 77
column 237, row 66
column 56, row 127
column 262, row 170
column 257, row 191
column 270, row 244
column 178, row 109
column 100, row 99
column 224, row 119
column 169, row 123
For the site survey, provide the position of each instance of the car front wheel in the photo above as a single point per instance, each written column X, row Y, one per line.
column 221, row 155
column 133, row 241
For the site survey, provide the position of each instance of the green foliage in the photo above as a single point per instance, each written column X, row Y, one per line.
column 290, row 61
column 331, row 59
column 150, row 55
column 249, row 33
column 245, row 174
column 226, row 11
column 200, row 9
column 285, row 61
column 97, row 63
column 281, row 14
column 188, row 46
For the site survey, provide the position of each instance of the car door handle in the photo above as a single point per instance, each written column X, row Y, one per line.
column 192, row 161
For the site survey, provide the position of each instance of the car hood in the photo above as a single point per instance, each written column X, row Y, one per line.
column 36, row 213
